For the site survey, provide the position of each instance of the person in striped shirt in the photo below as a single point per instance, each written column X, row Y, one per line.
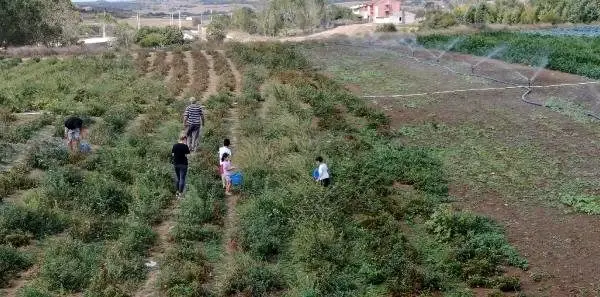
column 193, row 119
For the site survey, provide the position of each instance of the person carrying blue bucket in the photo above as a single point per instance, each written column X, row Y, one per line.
column 227, row 172
column 321, row 173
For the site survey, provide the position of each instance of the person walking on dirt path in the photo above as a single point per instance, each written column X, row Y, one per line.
column 73, row 132
column 227, row 172
column 323, row 172
column 180, row 162
column 193, row 119
column 224, row 150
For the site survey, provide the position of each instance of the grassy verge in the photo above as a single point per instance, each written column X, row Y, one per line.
column 381, row 229
column 577, row 55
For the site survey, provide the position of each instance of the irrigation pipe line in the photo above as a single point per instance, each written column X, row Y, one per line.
column 480, row 89
column 528, row 88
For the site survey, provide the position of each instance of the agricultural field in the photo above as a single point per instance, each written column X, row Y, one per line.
column 531, row 168
column 91, row 223
column 445, row 183
column 567, row 53
column 106, row 223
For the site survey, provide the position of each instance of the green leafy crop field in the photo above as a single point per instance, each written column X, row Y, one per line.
column 90, row 224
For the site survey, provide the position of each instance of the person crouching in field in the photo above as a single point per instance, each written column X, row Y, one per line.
column 227, row 172
column 180, row 162
column 224, row 150
column 74, row 131
column 193, row 119
column 323, row 170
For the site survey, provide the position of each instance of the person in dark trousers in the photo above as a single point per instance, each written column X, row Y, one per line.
column 180, row 162
column 323, row 170
column 73, row 132
column 193, row 119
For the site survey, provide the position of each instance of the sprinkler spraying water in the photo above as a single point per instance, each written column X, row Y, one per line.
column 449, row 47
column 491, row 54
column 542, row 65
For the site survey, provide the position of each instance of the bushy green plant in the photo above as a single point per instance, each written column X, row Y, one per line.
column 101, row 195
column 184, row 272
column 69, row 264
column 47, row 154
column 253, row 277
column 34, row 291
column 158, row 36
column 62, row 186
column 264, row 226
column 480, row 245
column 11, row 261
column 15, row 179
column 24, row 220
column 386, row 28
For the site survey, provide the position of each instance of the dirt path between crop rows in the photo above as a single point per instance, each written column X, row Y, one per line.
column 562, row 248
column 20, row 282
column 230, row 241
column 213, row 78
column 163, row 243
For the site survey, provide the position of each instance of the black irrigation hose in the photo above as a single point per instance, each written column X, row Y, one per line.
column 528, row 91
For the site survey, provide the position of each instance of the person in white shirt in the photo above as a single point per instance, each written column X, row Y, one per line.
column 323, row 171
column 223, row 150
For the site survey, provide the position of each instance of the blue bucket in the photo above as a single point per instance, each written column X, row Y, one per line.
column 85, row 148
column 315, row 173
column 236, row 179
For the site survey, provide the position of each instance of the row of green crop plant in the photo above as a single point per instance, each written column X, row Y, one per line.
column 14, row 131
column 179, row 77
column 92, row 216
column 187, row 267
column 577, row 55
column 77, row 86
column 382, row 227
column 223, row 69
column 160, row 64
column 200, row 75
column 109, row 201
column 141, row 61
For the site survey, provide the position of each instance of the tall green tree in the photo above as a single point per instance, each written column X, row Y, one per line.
column 24, row 22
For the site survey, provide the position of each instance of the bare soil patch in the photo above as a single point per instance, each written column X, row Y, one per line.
column 526, row 154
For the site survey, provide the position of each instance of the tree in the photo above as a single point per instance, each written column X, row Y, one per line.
column 124, row 34
column 217, row 29
column 37, row 21
column 245, row 19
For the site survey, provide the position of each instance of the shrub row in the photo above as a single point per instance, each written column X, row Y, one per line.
column 577, row 55
column 223, row 69
column 179, row 78
column 160, row 64
column 200, row 76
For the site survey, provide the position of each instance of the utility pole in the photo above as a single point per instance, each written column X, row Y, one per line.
column 180, row 20
column 138, row 21
column 104, row 25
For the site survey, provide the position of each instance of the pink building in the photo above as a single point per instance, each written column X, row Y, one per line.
column 382, row 11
